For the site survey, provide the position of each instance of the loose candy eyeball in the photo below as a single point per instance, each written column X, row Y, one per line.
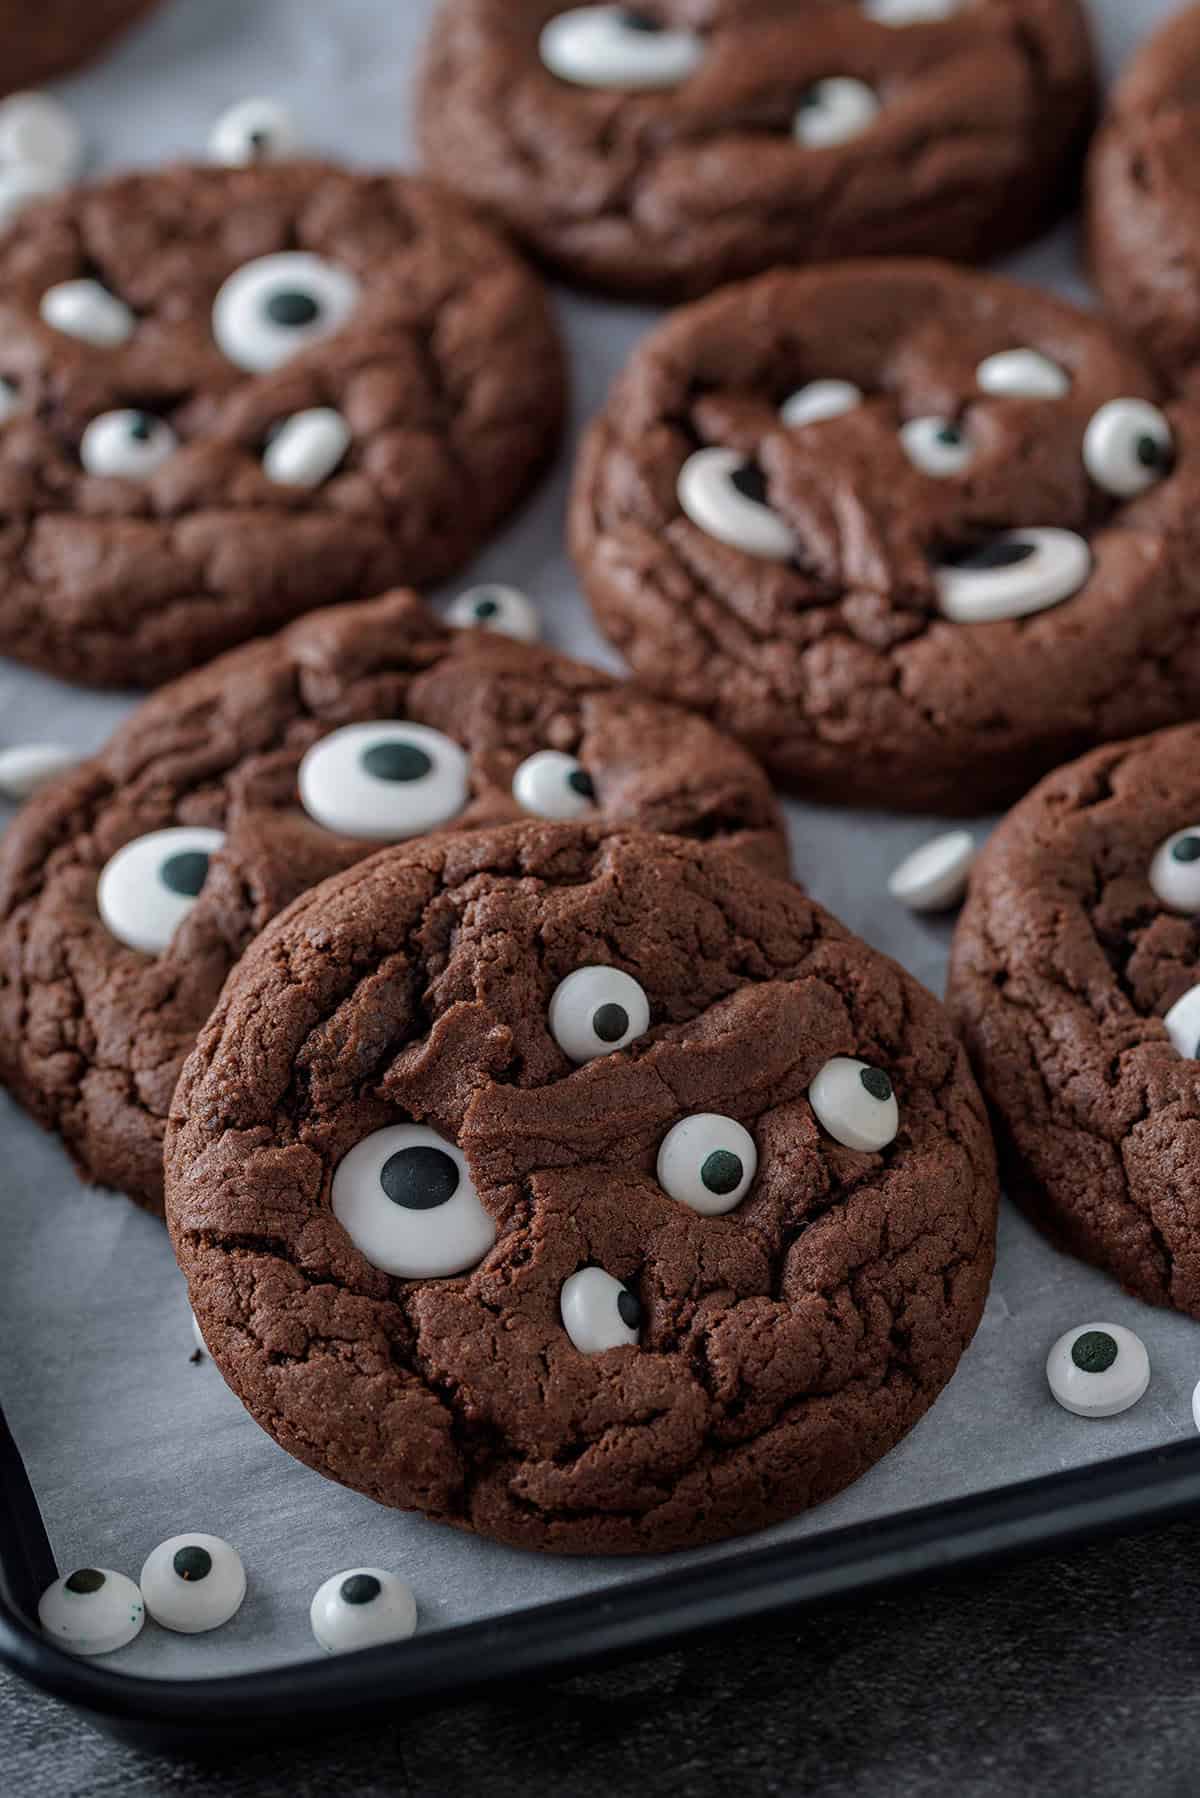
column 1098, row 1370
column 26, row 767
column 362, row 1608
column 193, row 1583
column 934, row 877
column 36, row 131
column 251, row 131
column 92, row 1611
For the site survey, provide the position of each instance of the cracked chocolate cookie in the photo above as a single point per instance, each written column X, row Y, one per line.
column 129, row 888
column 1074, row 981
column 662, row 149
column 42, row 41
column 589, row 1190
column 228, row 395
column 916, row 535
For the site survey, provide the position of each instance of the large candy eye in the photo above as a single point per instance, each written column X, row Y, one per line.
column 599, row 1313
column 619, row 47
column 362, row 1608
column 193, row 1583
column 707, row 1162
column 307, row 447
column 553, row 785
column 385, row 781
column 253, row 131
column 1175, row 870
column 128, row 443
column 92, row 1611
column 148, row 888
column 856, row 1104
column 1098, row 1370
column 1128, row 447
column 820, row 400
column 830, row 112
column 725, row 495
column 505, row 610
column 278, row 305
column 88, row 311
column 1183, row 1025
column 1023, row 374
column 1014, row 574
column 406, row 1200
column 909, row 12
column 596, row 1011
column 937, row 446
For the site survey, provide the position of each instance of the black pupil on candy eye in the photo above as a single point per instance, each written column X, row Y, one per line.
column 876, row 1083
column 580, row 781
column 141, row 427
column 420, row 1179
column 628, row 1310
column 610, row 1022
column 257, row 140
column 396, row 761
column 185, row 873
column 1187, row 849
column 950, row 435
column 192, row 1562
column 1094, row 1351
column 1003, row 552
column 1151, row 453
column 722, row 1171
column 85, row 1579
column 633, row 20
column 750, row 482
column 287, row 307
column 360, row 1588
column 487, row 608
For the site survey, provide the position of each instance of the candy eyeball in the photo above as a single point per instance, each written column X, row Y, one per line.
column 1128, row 448
column 88, row 311
column 1175, row 871
column 707, row 1162
column 725, row 495
column 129, row 443
column 92, row 1611
column 820, row 400
column 147, row 888
column 36, row 131
column 622, row 47
column 406, row 1199
column 910, row 12
column 253, row 131
column 25, row 768
column 505, row 610
column 598, row 1312
column 934, row 877
column 937, row 446
column 855, row 1103
column 362, row 1608
column 1012, row 576
column 832, row 112
column 550, row 784
column 596, row 1011
column 274, row 307
column 193, row 1583
column 1098, row 1370
column 1023, row 374
column 1183, row 1025
column 384, row 781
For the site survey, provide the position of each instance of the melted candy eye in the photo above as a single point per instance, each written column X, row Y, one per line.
column 1175, row 870
column 384, row 781
column 833, row 111
column 820, row 400
column 1128, row 447
column 272, row 308
column 1013, row 575
column 1098, row 1370
column 127, row 443
column 707, row 1161
column 619, row 47
column 505, row 610
column 92, row 1611
column 1023, row 374
column 598, row 1312
column 553, row 785
column 362, row 1608
column 725, row 496
column 596, row 1011
column 407, row 1201
column 856, row 1104
column 1183, row 1025
column 147, row 888
column 937, row 446
column 193, row 1583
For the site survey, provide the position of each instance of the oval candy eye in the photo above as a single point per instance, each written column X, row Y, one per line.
column 553, row 785
column 406, row 1199
column 820, row 400
column 92, row 1611
column 147, row 888
column 505, row 610
column 833, row 111
column 1175, row 870
column 707, row 1161
column 725, row 495
column 1128, row 447
column 1098, row 1370
column 253, row 131
column 619, row 47
column 362, row 1608
column 1012, row 576
column 596, row 1011
column 37, row 131
column 855, row 1103
column 193, row 1583
column 1023, row 374
column 1183, row 1025
column 272, row 308
column 598, row 1312
column 909, row 12
column 384, row 781
column 86, row 310
column 128, row 443
column 937, row 446
column 307, row 447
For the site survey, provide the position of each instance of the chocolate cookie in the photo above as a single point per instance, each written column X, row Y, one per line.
column 232, row 394
column 592, row 1191
column 915, row 534
column 39, row 42
column 129, row 888
column 1074, row 980
column 664, row 148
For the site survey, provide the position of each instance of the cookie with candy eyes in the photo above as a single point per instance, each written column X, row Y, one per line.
column 1075, row 978
column 231, row 394
column 129, row 887
column 914, row 534
column 591, row 1190
column 663, row 148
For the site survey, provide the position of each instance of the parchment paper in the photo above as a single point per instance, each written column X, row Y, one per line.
column 127, row 1440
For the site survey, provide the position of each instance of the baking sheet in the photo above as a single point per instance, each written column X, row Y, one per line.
column 127, row 1439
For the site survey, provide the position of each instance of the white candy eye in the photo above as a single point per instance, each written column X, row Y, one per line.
column 407, row 1201
column 596, row 1011
column 1098, row 1370
column 494, row 608
column 599, row 1313
column 1128, row 447
column 820, row 400
column 278, row 305
column 1023, row 374
column 253, row 131
column 88, row 311
column 147, row 889
column 362, row 1608
column 128, row 443
column 1175, row 870
column 553, row 785
column 193, row 1583
column 707, row 1161
column 307, row 448
column 937, row 446
column 27, row 767
column 831, row 112
column 856, row 1104
column 1183, row 1025
column 618, row 47
column 37, row 132
column 92, row 1611
column 1015, row 574
column 385, row 781
column 725, row 495
column 909, row 12
column 934, row 877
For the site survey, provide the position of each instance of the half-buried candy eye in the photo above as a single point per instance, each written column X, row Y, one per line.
column 833, row 111
column 128, row 443
column 1013, row 575
column 707, row 1162
column 856, row 1104
column 623, row 47
column 598, row 1312
column 550, row 784
column 270, row 309
column 1128, row 448
column 384, row 781
column 937, row 446
column 406, row 1199
column 596, row 1011
column 819, row 400
column 1183, row 1024
column 147, row 888
column 725, row 495
column 1175, row 870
